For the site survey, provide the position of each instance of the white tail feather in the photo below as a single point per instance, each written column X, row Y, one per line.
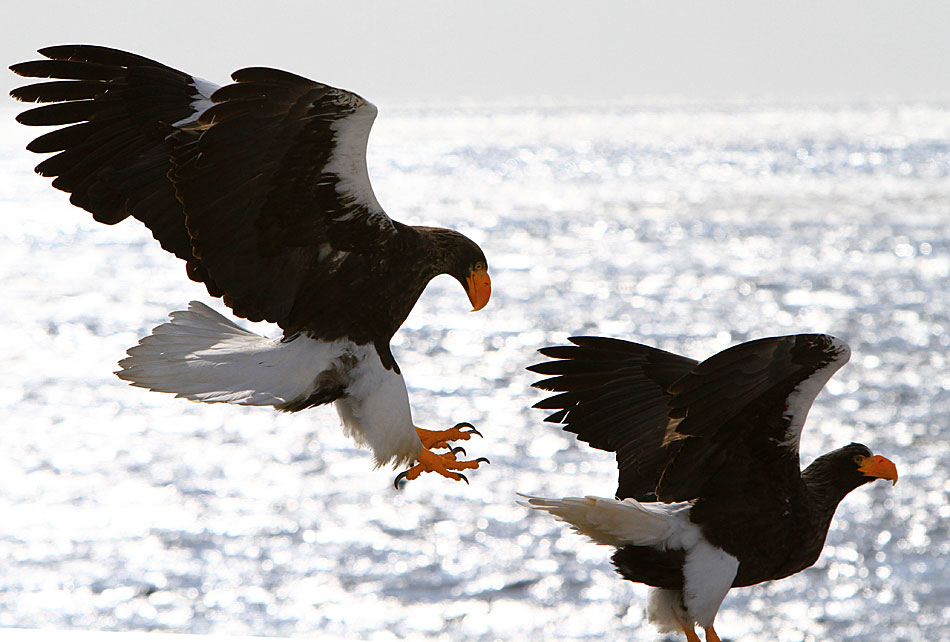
column 612, row 522
column 202, row 356
column 708, row 571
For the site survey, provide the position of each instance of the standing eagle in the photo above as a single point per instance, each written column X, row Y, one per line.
column 711, row 493
column 261, row 187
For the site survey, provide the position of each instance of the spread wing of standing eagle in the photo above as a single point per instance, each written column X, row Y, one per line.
column 261, row 187
column 711, row 493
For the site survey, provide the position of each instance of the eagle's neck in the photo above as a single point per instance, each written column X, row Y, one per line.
column 825, row 490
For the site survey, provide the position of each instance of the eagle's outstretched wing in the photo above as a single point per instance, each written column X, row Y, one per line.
column 676, row 424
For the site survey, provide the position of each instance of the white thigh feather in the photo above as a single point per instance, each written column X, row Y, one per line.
column 376, row 413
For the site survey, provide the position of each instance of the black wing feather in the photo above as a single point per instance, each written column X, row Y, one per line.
column 113, row 153
column 267, row 190
column 613, row 396
column 682, row 429
column 738, row 414
column 289, row 235
column 261, row 186
column 59, row 113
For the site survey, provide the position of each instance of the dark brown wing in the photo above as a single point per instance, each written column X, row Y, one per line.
column 272, row 178
column 743, row 409
column 614, row 395
column 116, row 110
column 282, row 213
column 684, row 429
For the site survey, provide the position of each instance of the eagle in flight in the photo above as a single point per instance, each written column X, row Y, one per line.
column 261, row 187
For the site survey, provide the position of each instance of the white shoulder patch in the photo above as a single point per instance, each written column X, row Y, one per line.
column 348, row 158
column 802, row 398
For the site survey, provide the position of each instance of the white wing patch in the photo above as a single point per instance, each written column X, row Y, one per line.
column 201, row 100
column 348, row 160
column 803, row 396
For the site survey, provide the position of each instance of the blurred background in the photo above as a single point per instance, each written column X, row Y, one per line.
column 684, row 175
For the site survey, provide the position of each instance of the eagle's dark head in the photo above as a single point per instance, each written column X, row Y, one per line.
column 460, row 257
column 851, row 466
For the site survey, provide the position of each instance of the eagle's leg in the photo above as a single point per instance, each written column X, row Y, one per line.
column 690, row 634
column 441, row 438
column 444, row 464
column 711, row 634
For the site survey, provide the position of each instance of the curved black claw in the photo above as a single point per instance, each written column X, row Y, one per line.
column 458, row 449
column 399, row 478
column 465, row 424
column 482, row 459
column 463, row 478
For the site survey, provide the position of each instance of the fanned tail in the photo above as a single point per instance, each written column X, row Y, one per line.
column 609, row 521
column 201, row 355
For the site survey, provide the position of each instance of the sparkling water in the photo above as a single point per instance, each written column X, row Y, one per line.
column 687, row 227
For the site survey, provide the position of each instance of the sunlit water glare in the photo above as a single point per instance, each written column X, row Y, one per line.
column 688, row 228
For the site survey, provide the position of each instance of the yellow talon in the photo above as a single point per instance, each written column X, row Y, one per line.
column 444, row 464
column 440, row 438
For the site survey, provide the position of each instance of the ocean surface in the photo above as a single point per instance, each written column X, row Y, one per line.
column 687, row 227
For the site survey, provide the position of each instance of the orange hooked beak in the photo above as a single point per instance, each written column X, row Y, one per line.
column 478, row 288
column 877, row 466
